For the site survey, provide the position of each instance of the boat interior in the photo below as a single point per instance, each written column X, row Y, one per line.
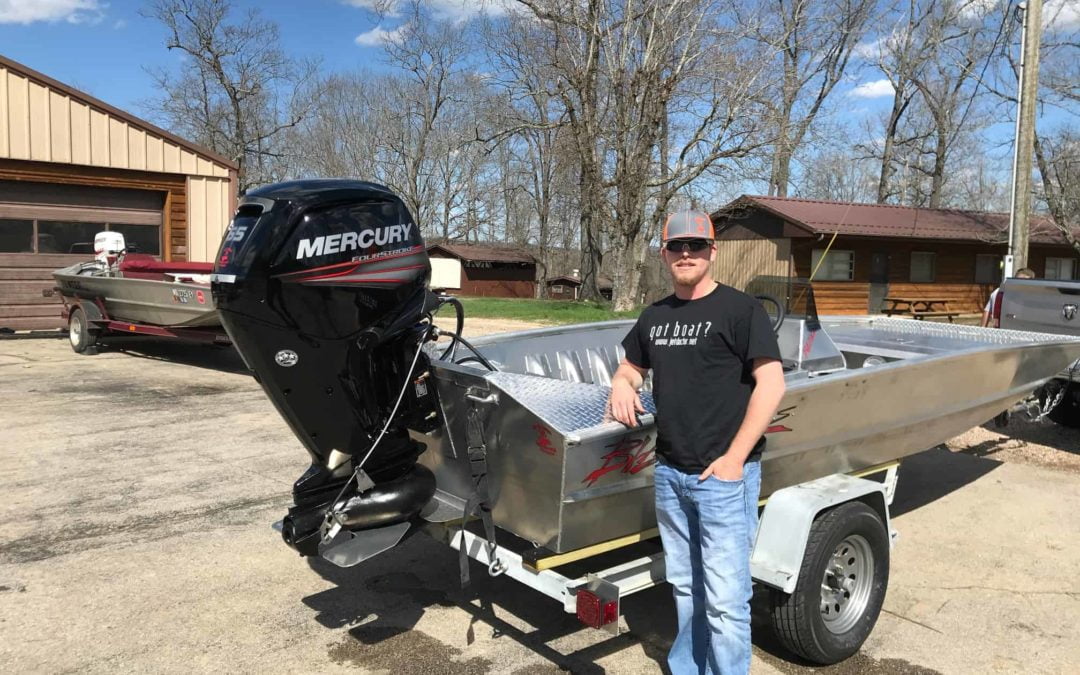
column 144, row 266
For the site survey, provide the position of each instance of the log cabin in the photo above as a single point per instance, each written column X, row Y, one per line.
column 860, row 254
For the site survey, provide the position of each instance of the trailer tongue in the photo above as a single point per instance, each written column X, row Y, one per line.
column 321, row 285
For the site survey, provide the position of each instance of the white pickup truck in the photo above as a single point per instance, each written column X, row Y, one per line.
column 1047, row 307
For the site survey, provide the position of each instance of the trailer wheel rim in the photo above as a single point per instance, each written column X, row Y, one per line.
column 847, row 584
column 75, row 331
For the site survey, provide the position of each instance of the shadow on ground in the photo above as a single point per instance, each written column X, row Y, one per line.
column 1022, row 430
column 935, row 473
column 383, row 600
column 213, row 357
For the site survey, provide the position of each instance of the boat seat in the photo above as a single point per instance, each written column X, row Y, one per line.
column 144, row 266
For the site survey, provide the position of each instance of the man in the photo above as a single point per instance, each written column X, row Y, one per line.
column 988, row 311
column 717, row 381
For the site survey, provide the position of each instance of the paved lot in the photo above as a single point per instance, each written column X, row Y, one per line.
column 139, row 486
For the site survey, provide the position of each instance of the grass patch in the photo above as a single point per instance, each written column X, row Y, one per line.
column 546, row 311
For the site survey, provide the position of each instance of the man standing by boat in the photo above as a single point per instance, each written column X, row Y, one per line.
column 717, row 381
column 988, row 311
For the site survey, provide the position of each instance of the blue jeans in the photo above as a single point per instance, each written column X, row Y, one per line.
column 708, row 529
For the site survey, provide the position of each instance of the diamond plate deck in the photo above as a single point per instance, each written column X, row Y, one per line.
column 567, row 407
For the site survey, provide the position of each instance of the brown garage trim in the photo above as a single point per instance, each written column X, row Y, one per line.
column 174, row 226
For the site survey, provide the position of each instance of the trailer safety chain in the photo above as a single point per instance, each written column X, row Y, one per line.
column 477, row 449
column 1047, row 408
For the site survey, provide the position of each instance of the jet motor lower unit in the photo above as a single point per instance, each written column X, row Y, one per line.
column 321, row 285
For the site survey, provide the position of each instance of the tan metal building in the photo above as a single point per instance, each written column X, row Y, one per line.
column 71, row 166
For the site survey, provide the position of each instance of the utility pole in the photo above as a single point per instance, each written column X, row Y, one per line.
column 1024, row 143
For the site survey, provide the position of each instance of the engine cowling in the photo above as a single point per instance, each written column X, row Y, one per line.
column 321, row 285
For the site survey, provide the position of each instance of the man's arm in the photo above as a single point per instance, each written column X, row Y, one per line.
column 768, row 390
column 625, row 401
column 988, row 309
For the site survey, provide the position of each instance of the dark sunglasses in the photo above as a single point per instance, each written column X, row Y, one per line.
column 692, row 245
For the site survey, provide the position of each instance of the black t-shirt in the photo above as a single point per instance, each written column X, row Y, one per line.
column 701, row 353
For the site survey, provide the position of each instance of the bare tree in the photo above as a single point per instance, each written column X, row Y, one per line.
column 238, row 92
column 535, row 134
column 1057, row 152
column 1058, row 160
column 430, row 55
column 624, row 72
column 834, row 174
column 813, row 40
column 899, row 53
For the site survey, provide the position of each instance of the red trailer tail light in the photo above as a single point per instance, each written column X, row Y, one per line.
column 594, row 611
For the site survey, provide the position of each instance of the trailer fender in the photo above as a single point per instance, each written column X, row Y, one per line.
column 785, row 524
column 93, row 311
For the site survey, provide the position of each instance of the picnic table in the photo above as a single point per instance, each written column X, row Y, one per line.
column 919, row 308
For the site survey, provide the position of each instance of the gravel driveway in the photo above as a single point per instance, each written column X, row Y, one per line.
column 140, row 484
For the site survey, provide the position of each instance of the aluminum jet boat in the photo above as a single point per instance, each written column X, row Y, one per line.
column 321, row 285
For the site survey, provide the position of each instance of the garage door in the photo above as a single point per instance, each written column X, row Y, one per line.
column 44, row 227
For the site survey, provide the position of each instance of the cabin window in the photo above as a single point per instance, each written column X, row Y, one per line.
column 837, row 266
column 987, row 269
column 1060, row 268
column 558, row 289
column 922, row 267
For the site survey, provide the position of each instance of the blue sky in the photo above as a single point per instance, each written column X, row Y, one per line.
column 102, row 47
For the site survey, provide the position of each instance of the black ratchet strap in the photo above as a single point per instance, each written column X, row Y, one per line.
column 474, row 436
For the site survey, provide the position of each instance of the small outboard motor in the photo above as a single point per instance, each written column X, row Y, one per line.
column 108, row 245
column 321, row 285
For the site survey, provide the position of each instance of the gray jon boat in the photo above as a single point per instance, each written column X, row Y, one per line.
column 142, row 290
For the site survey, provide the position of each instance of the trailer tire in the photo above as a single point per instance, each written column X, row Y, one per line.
column 1067, row 412
column 80, row 335
column 848, row 549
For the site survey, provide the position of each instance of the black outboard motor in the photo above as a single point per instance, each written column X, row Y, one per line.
column 321, row 285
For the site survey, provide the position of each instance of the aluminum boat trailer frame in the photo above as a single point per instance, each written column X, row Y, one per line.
column 595, row 597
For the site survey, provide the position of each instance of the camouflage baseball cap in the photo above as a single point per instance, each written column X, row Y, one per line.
column 688, row 225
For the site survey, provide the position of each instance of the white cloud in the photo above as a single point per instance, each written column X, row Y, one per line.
column 977, row 10
column 378, row 36
column 1061, row 13
column 72, row 11
column 875, row 89
column 870, row 51
column 390, row 8
column 453, row 10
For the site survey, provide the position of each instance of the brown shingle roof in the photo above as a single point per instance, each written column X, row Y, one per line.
column 888, row 220
column 480, row 253
column 564, row 280
column 602, row 282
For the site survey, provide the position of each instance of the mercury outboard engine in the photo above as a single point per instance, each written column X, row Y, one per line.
column 321, row 285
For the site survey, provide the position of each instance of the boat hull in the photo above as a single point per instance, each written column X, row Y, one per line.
column 147, row 301
column 563, row 477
